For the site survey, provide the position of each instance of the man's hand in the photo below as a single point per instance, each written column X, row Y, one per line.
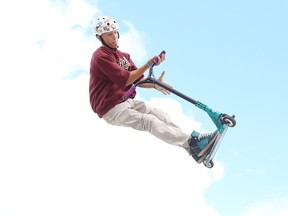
column 157, row 59
column 159, row 88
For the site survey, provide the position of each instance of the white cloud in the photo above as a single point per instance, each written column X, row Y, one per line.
column 217, row 171
column 177, row 115
column 276, row 207
column 56, row 156
column 133, row 43
column 60, row 157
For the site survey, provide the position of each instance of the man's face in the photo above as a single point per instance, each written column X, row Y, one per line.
column 111, row 39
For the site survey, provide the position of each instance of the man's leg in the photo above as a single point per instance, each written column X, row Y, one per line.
column 137, row 115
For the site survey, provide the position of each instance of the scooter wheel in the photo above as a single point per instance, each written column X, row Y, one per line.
column 210, row 164
column 228, row 120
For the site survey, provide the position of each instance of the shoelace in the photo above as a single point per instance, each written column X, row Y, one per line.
column 203, row 136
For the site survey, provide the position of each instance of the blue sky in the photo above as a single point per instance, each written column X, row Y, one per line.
column 58, row 158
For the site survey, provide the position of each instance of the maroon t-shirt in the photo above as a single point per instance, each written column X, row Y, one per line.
column 109, row 72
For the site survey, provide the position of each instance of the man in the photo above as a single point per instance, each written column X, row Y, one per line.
column 112, row 72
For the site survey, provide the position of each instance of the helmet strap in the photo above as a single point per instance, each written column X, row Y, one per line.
column 103, row 42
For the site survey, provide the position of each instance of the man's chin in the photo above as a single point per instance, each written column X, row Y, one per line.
column 114, row 45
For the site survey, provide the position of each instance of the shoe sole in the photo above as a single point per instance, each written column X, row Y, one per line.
column 200, row 154
column 200, row 159
column 205, row 154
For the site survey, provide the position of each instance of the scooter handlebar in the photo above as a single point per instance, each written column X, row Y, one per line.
column 132, row 88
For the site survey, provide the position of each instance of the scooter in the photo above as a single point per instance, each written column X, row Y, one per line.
column 221, row 120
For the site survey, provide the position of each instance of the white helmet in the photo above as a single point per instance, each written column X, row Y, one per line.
column 104, row 24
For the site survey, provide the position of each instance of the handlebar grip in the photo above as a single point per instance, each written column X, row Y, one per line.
column 155, row 60
column 129, row 92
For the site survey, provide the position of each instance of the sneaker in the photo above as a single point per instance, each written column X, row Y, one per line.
column 200, row 143
column 201, row 158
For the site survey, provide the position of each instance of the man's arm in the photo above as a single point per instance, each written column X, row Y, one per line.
column 135, row 74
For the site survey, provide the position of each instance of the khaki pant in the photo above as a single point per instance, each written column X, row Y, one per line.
column 136, row 114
